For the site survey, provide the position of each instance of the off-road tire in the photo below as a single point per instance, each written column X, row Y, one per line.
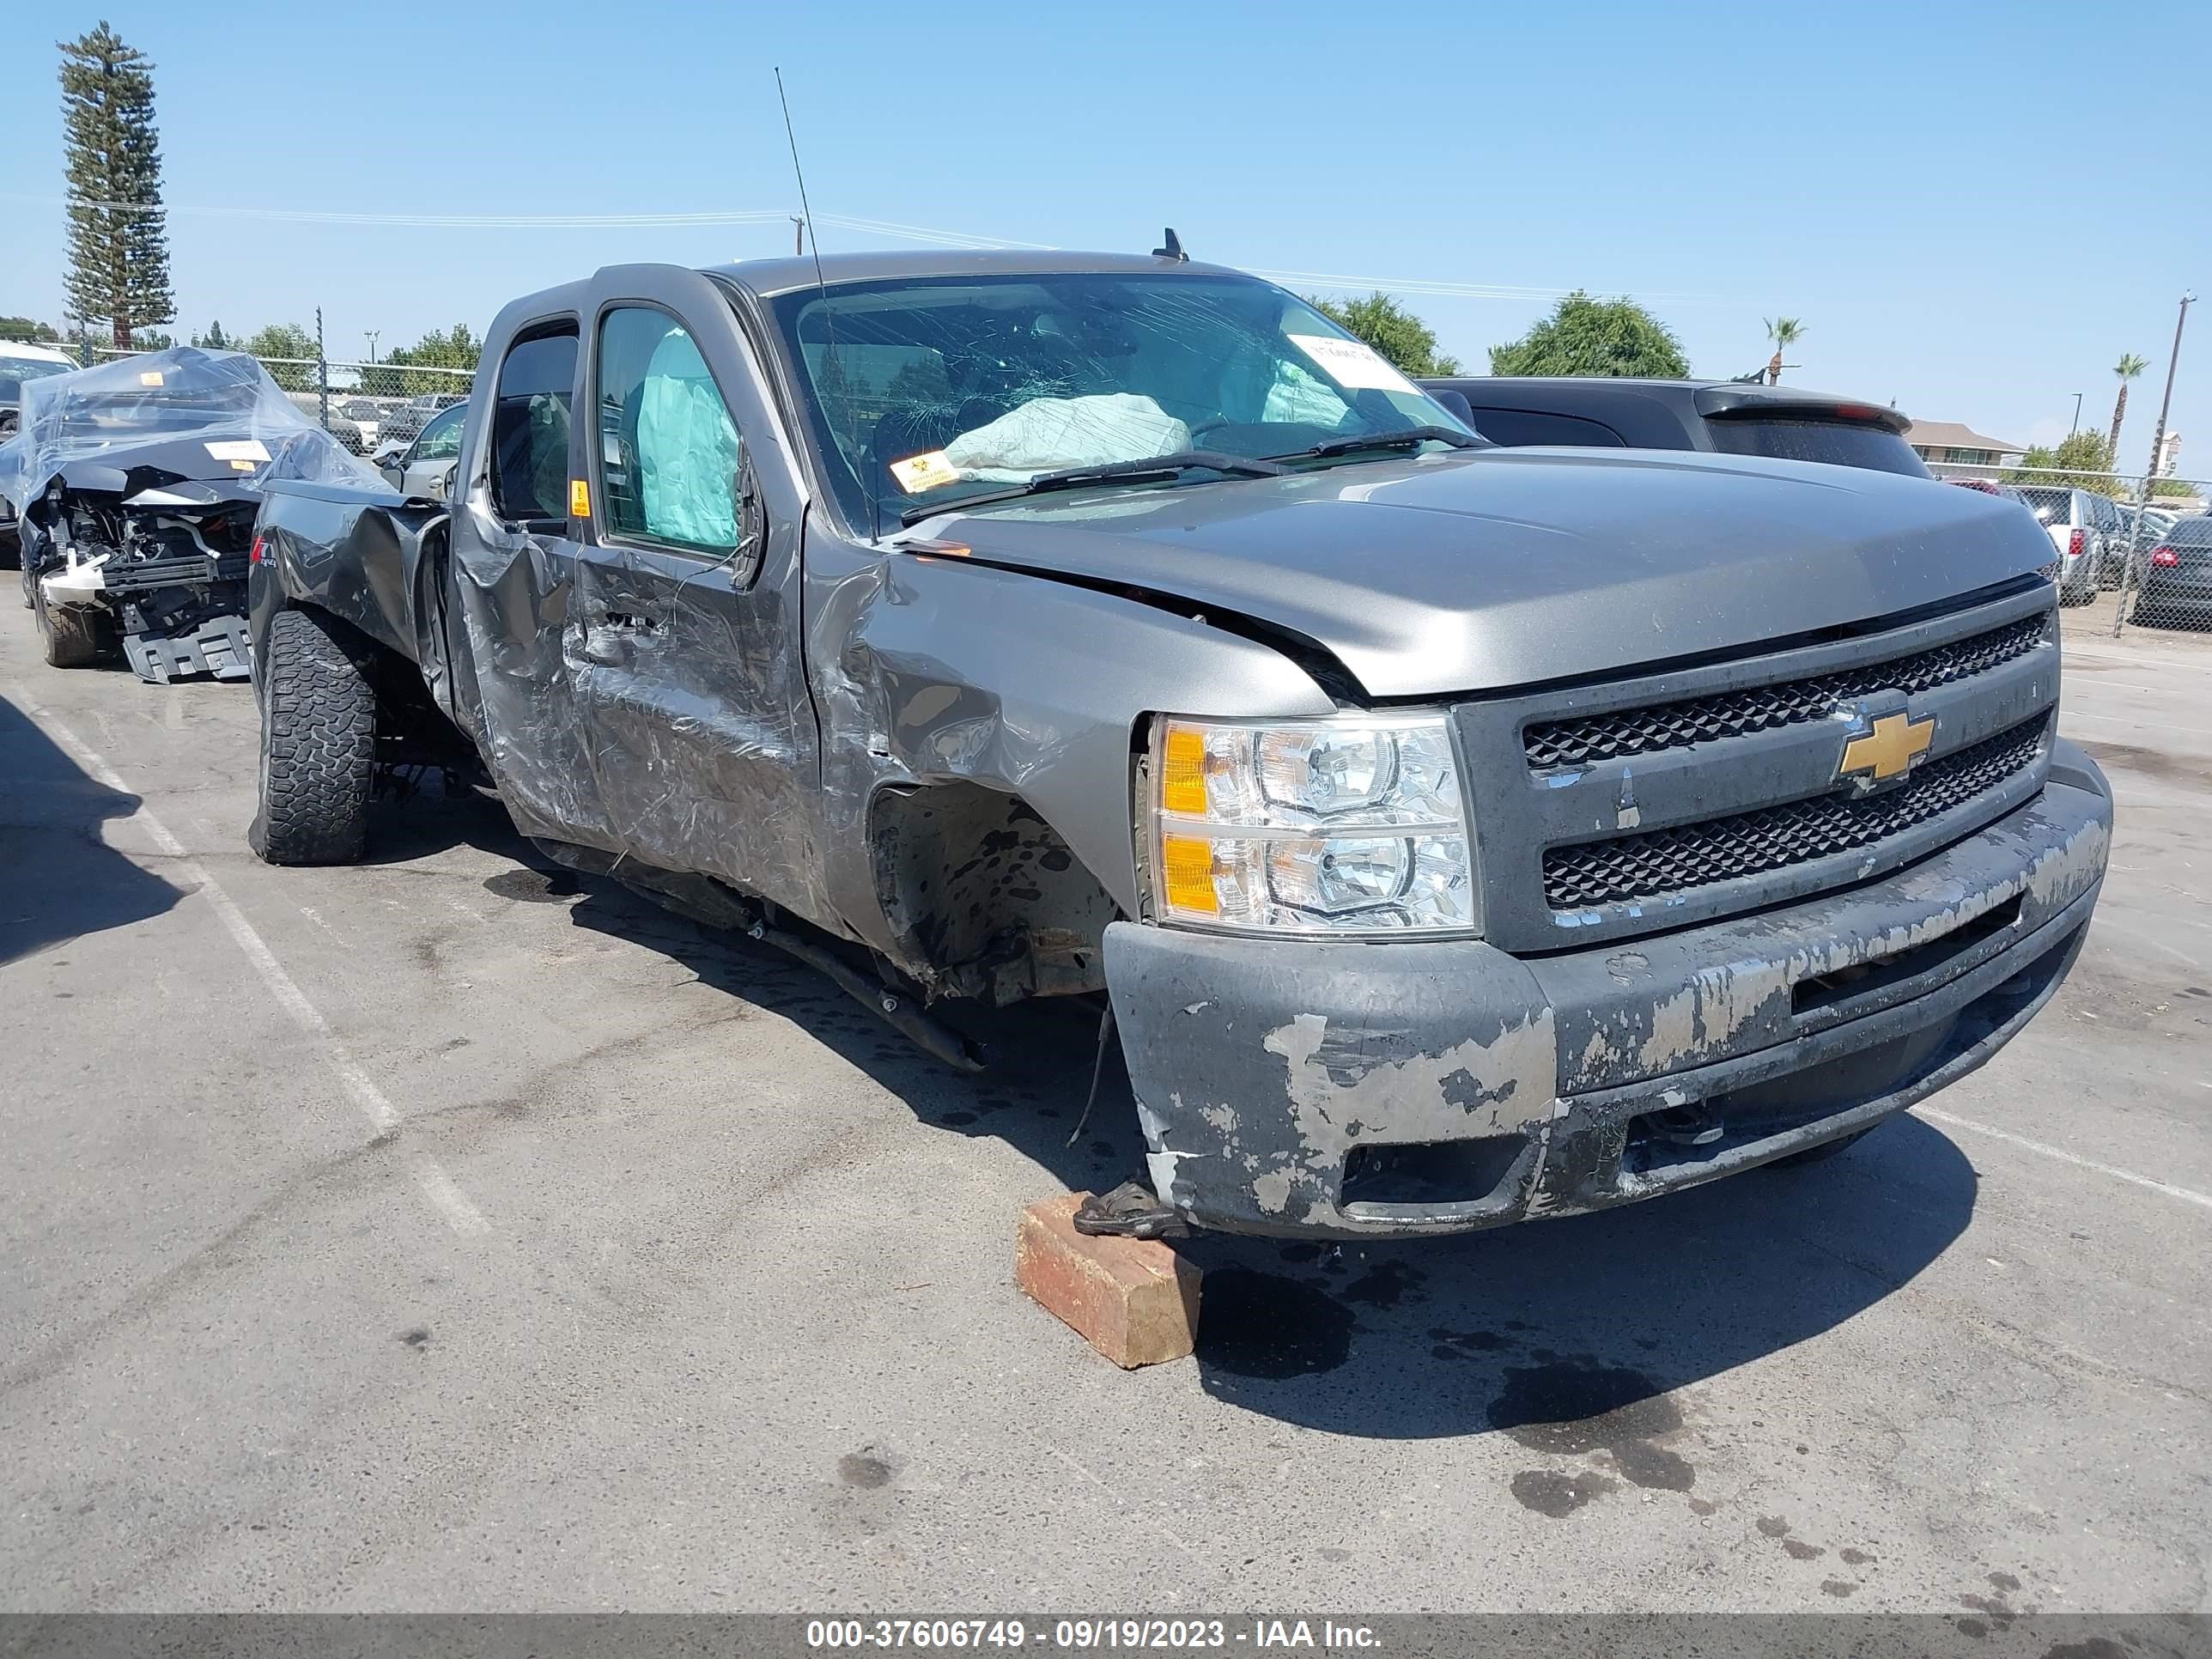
column 1824, row 1151
column 317, row 743
column 71, row 634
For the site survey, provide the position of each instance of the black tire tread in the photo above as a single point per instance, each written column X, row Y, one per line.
column 71, row 638
column 318, row 744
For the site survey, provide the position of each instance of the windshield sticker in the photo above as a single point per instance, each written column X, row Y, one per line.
column 926, row 471
column 234, row 450
column 1353, row 364
column 151, row 377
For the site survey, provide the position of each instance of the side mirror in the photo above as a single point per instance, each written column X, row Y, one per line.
column 1456, row 403
column 392, row 475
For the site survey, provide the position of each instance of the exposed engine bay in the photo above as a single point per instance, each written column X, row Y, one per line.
column 137, row 482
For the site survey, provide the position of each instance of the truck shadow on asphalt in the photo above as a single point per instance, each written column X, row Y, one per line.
column 1575, row 1338
column 61, row 879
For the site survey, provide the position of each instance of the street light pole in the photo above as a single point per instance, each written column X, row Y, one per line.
column 2076, row 426
column 2150, row 471
column 372, row 332
column 798, row 235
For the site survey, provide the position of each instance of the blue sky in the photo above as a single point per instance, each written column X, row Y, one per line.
column 1975, row 208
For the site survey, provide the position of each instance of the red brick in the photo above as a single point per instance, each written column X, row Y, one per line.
column 1133, row 1299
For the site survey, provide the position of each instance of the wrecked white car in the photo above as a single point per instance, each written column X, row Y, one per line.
column 135, row 484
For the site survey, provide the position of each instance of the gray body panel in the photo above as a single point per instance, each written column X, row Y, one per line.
column 1491, row 568
column 796, row 722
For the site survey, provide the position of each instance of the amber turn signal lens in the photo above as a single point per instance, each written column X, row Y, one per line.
column 1183, row 772
column 1187, row 873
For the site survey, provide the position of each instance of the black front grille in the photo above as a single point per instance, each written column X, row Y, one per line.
column 1585, row 739
column 1638, row 868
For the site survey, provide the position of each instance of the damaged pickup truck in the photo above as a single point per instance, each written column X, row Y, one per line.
column 135, row 484
column 1456, row 834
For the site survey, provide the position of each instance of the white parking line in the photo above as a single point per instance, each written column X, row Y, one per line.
column 2204, row 1200
column 444, row 1194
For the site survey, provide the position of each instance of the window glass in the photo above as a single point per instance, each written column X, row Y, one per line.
column 1517, row 427
column 668, row 450
column 441, row 439
column 530, row 427
column 1839, row 443
column 925, row 390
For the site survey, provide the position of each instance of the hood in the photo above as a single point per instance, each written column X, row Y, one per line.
column 1486, row 569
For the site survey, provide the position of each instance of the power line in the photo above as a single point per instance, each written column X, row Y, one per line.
column 1331, row 281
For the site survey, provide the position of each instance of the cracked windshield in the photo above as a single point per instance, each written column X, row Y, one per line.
column 927, row 393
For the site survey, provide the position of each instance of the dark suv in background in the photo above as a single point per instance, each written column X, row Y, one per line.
column 1729, row 418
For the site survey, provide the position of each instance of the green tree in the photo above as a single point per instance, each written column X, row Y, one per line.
column 119, row 238
column 453, row 348
column 151, row 339
column 214, row 340
column 1784, row 331
column 1584, row 336
column 2127, row 368
column 1409, row 343
column 2075, row 460
column 294, row 348
column 24, row 331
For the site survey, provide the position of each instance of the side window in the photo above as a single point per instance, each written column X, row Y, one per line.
column 1519, row 427
column 669, row 453
column 530, row 427
column 441, row 439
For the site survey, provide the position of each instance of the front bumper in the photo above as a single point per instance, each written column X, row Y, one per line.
column 1408, row 1087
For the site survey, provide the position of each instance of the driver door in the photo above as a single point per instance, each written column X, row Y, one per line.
column 685, row 638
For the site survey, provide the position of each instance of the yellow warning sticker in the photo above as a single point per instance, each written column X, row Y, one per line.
column 927, row 471
column 580, row 499
column 151, row 377
column 242, row 466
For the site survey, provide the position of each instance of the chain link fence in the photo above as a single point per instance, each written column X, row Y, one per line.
column 376, row 409
column 2132, row 551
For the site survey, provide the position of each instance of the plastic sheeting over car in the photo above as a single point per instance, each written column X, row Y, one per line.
column 213, row 414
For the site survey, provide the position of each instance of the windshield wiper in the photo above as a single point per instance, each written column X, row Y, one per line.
column 1150, row 466
column 1405, row 439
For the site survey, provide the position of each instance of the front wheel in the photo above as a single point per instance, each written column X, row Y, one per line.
column 317, row 743
column 71, row 634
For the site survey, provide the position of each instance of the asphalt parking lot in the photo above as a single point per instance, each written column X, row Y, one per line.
column 445, row 1233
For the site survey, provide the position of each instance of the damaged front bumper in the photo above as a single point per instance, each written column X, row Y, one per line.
column 1426, row 1087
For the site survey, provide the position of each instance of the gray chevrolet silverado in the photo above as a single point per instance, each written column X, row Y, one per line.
column 1455, row 834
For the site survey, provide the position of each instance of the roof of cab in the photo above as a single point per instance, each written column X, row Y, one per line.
column 769, row 277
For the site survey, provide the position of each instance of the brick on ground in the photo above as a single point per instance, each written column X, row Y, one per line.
column 1133, row 1299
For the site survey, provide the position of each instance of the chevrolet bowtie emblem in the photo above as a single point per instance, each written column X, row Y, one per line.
column 1888, row 748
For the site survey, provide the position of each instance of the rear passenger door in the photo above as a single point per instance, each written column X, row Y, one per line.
column 687, row 601
column 514, row 555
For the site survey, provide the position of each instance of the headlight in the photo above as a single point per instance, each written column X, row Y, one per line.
column 1340, row 827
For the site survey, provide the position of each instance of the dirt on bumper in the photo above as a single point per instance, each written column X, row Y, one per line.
column 1405, row 1087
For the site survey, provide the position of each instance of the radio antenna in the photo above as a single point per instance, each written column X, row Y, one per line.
column 828, row 315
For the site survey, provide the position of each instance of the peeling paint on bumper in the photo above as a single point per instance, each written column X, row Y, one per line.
column 1343, row 1089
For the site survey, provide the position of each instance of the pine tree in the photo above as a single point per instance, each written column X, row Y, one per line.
column 118, row 235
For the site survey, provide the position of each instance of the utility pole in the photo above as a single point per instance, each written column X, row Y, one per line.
column 798, row 236
column 2157, row 443
column 2076, row 425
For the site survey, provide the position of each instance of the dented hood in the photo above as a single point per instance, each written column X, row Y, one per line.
column 1480, row 570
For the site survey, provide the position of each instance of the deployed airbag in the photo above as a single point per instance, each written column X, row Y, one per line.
column 1047, row 433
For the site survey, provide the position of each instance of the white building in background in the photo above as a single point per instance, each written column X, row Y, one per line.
column 2169, row 454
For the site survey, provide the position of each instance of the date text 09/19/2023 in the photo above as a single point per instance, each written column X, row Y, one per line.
column 1120, row 1634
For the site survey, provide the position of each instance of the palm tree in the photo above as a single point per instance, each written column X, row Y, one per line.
column 1784, row 331
column 2127, row 368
